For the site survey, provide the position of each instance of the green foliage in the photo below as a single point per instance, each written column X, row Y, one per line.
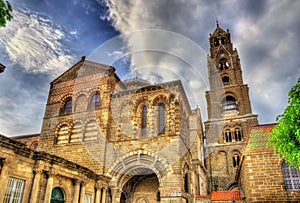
column 5, row 12
column 286, row 134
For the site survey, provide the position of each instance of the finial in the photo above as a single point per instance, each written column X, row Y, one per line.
column 217, row 22
column 83, row 58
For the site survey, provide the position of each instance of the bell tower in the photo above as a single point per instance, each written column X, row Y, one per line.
column 229, row 112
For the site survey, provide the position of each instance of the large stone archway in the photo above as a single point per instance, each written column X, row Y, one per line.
column 136, row 178
column 142, row 188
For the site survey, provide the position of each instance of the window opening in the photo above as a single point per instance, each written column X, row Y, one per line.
column 144, row 121
column 291, row 177
column 161, row 119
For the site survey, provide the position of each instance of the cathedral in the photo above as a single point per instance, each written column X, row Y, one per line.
column 104, row 140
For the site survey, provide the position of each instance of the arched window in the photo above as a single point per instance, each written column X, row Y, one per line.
column 161, row 119
column 95, row 101
column 291, row 177
column 227, row 136
column 144, row 121
column 186, row 183
column 68, row 106
column 216, row 42
column 34, row 146
column 229, row 105
column 237, row 135
column 158, row 196
column 57, row 196
column 235, row 160
column 223, row 64
column 223, row 40
column 225, row 80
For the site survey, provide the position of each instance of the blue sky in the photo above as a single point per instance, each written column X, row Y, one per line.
column 160, row 40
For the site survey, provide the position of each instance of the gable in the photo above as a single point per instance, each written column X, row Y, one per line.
column 82, row 68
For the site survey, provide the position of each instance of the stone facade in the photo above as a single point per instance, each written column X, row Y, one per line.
column 32, row 175
column 137, row 133
column 229, row 113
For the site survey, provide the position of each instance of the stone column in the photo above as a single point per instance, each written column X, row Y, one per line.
column 49, row 188
column 116, row 194
column 98, row 193
column 82, row 192
column 103, row 200
column 76, row 191
column 35, row 185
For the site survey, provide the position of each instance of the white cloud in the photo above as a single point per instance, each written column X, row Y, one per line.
column 35, row 43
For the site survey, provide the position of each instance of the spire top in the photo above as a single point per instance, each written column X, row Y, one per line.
column 217, row 22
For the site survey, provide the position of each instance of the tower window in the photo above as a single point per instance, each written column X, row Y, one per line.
column 95, row 101
column 227, row 136
column 229, row 105
column 225, row 80
column 235, row 160
column 223, row 40
column 161, row 119
column 216, row 42
column 68, row 106
column 144, row 121
column 291, row 177
column 223, row 64
column 237, row 135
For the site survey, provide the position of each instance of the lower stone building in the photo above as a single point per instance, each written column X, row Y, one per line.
column 262, row 175
column 32, row 176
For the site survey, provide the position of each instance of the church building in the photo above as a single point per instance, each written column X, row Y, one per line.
column 104, row 140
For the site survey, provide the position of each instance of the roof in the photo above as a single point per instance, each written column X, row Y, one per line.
column 218, row 31
column 136, row 82
column 259, row 138
column 226, row 195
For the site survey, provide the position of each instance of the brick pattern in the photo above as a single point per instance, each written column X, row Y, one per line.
column 261, row 171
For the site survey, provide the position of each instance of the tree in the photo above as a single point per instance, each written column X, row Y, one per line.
column 286, row 134
column 5, row 12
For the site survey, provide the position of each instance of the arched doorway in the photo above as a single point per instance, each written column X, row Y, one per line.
column 57, row 196
column 141, row 188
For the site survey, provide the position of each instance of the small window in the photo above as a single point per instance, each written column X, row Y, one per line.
column 68, row 106
column 235, row 160
column 35, row 146
column 144, row 121
column 223, row 40
column 186, row 183
column 57, row 196
column 216, row 42
column 229, row 105
column 223, row 64
column 237, row 135
column 158, row 196
column 87, row 198
column 95, row 101
column 227, row 136
column 161, row 119
column 291, row 177
column 14, row 190
column 225, row 81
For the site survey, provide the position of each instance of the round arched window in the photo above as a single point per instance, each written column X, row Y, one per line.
column 229, row 105
column 57, row 196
